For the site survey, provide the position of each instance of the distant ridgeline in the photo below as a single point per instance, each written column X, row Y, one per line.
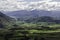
column 36, row 15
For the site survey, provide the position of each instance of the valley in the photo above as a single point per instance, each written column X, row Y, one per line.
column 30, row 28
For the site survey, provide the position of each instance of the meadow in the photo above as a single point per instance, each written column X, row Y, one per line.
column 30, row 31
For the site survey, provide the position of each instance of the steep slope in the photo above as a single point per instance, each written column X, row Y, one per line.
column 4, row 19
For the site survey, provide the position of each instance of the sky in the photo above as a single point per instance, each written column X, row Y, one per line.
column 13, row 5
column 30, row 0
column 39, row 0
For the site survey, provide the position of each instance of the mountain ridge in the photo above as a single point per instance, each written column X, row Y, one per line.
column 33, row 13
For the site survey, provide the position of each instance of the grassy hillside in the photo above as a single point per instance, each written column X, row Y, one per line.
column 5, row 21
column 41, row 28
column 30, row 31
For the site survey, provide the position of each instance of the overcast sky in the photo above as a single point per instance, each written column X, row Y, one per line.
column 30, row 0
column 12, row 5
column 38, row 0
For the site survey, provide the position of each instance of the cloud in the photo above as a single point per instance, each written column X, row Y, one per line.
column 30, row 0
column 57, row 0
column 8, row 5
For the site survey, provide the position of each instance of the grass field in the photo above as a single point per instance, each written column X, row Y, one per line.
column 31, row 31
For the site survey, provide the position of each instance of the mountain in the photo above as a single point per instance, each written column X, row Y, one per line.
column 26, row 14
column 4, row 19
column 33, row 13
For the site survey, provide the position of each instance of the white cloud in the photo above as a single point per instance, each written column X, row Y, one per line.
column 8, row 5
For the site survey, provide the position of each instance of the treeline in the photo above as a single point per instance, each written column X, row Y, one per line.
column 39, row 19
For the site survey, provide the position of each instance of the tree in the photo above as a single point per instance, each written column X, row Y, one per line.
column 1, row 25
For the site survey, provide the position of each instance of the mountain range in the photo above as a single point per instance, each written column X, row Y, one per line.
column 34, row 13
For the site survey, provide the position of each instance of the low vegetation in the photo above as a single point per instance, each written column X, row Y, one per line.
column 41, row 28
column 30, row 31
